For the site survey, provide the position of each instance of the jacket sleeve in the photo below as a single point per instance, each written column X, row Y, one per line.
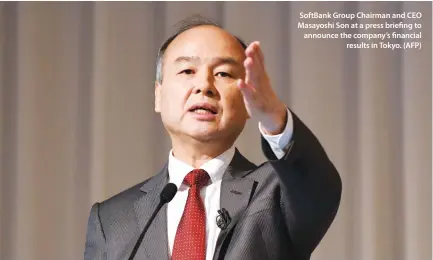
column 310, row 188
column 95, row 238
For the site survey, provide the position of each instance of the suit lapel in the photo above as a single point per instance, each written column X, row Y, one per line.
column 155, row 242
column 236, row 190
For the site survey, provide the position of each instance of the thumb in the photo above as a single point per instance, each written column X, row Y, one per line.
column 246, row 90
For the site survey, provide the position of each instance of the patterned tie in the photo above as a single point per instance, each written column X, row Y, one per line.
column 190, row 240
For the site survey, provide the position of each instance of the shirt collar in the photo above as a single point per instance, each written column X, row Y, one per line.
column 177, row 169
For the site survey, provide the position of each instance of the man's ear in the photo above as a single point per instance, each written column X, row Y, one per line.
column 157, row 97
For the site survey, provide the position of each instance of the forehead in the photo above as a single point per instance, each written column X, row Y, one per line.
column 205, row 42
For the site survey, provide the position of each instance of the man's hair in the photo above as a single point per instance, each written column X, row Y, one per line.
column 184, row 25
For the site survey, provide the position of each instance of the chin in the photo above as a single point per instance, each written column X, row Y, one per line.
column 205, row 134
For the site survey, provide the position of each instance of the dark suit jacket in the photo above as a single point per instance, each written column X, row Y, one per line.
column 279, row 210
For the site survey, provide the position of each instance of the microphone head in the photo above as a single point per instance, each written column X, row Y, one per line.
column 167, row 194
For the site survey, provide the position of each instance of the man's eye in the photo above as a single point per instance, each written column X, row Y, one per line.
column 224, row 74
column 187, row 71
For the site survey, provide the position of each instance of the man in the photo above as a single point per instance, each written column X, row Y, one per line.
column 208, row 84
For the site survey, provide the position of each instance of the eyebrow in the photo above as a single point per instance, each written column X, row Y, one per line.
column 216, row 61
column 187, row 59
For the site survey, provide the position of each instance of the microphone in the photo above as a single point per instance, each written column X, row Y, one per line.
column 167, row 194
column 223, row 219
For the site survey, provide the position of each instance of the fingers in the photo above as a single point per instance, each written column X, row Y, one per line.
column 247, row 91
column 255, row 88
column 258, row 49
column 245, row 88
column 254, row 51
column 253, row 64
column 251, row 71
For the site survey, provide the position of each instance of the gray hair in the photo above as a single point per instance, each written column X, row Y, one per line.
column 184, row 25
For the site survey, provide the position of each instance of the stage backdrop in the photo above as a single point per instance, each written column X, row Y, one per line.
column 77, row 121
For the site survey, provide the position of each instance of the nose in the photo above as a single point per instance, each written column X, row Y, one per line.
column 205, row 84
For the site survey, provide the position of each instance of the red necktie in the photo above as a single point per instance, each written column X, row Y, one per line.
column 190, row 240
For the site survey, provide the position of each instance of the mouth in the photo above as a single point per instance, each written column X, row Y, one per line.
column 203, row 109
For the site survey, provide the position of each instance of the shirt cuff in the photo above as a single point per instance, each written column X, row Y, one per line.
column 280, row 143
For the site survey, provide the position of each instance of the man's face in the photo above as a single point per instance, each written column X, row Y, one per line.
column 198, row 96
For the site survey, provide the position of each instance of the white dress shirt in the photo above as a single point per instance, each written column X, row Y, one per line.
column 211, row 194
